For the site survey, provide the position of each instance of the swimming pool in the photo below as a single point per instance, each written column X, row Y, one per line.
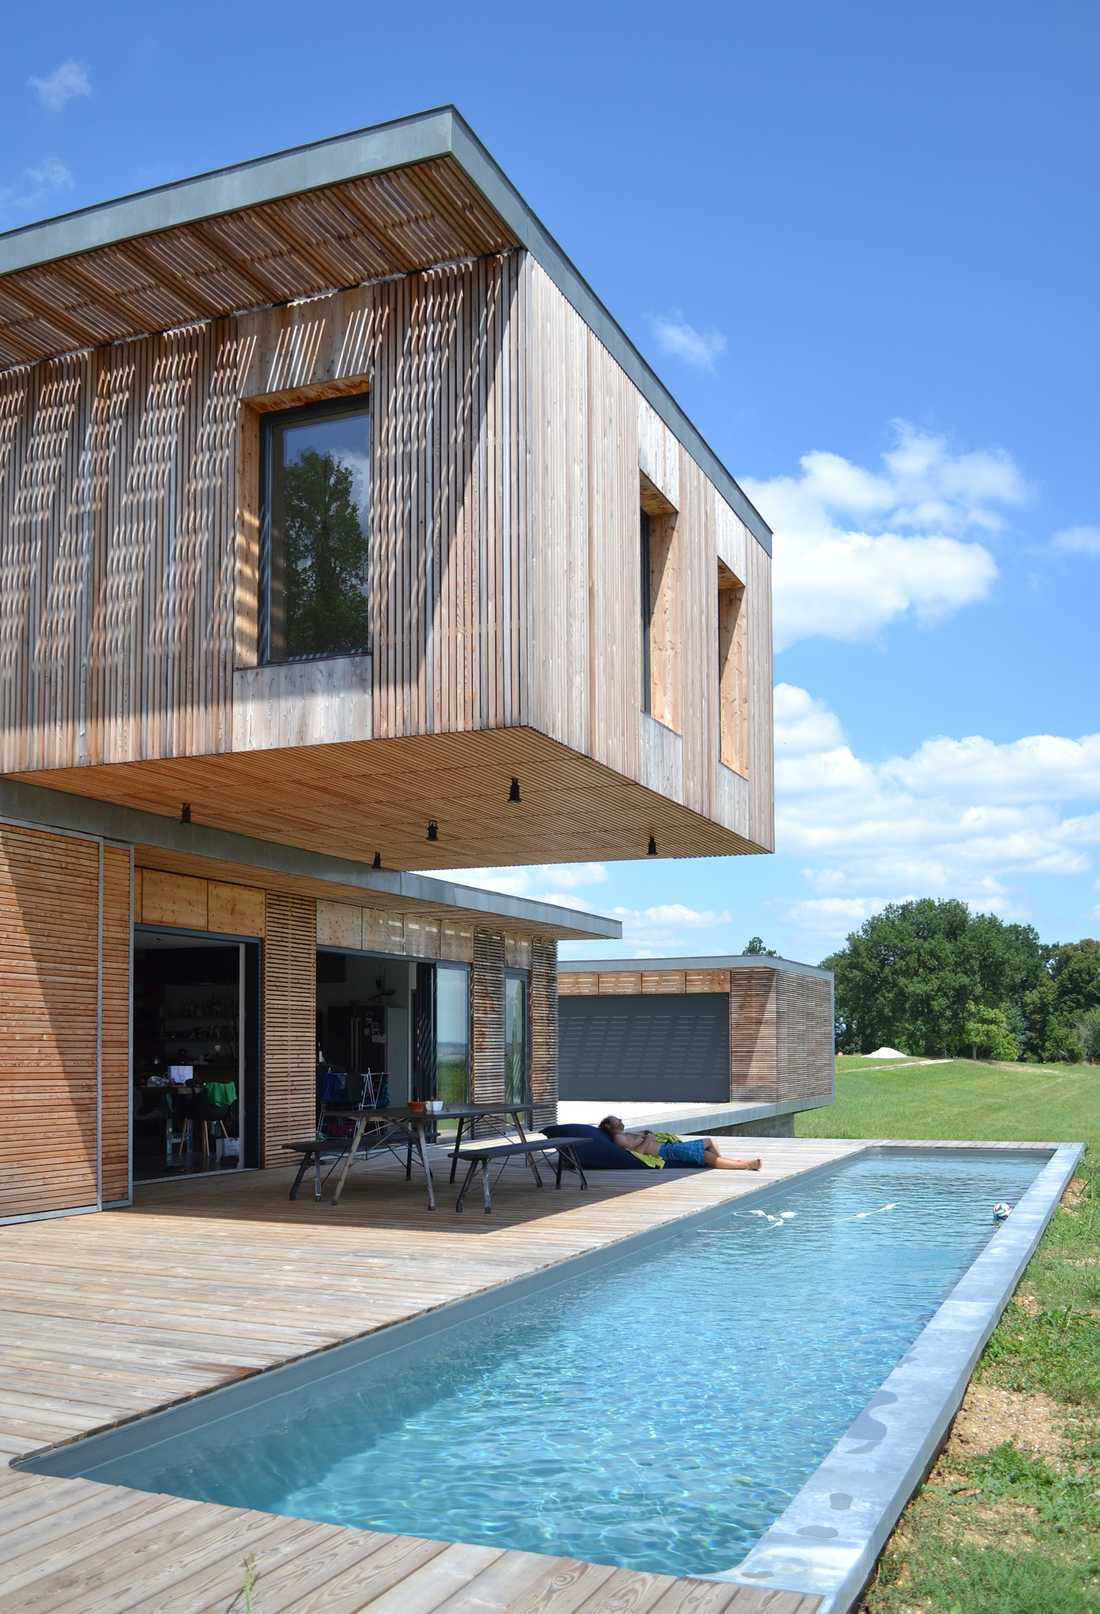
column 658, row 1412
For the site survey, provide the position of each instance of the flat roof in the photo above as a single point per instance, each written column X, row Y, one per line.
column 716, row 961
column 385, row 200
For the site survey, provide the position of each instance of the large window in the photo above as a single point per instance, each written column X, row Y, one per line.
column 452, row 1033
column 316, row 498
column 516, row 1083
column 645, row 580
column 659, row 593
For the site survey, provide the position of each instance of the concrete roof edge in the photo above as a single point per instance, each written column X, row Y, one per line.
column 724, row 961
column 441, row 131
column 40, row 808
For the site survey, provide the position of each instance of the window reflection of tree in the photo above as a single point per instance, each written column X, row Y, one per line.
column 326, row 558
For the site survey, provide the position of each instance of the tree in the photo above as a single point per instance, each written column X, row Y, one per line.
column 989, row 1034
column 755, row 946
column 914, row 976
column 325, row 582
column 1088, row 1031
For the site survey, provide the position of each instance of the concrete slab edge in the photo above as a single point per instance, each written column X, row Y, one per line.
column 827, row 1542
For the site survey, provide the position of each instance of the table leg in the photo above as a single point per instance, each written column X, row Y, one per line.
column 356, row 1140
column 531, row 1161
column 465, row 1184
column 408, row 1160
column 302, row 1169
column 486, row 1186
column 422, row 1151
column 458, row 1145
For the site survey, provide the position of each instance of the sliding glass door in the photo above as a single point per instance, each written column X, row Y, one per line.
column 452, row 1033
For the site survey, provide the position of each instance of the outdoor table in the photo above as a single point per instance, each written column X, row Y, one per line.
column 411, row 1125
column 484, row 1154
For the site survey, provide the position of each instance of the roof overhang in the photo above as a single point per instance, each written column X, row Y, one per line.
column 199, row 849
column 387, row 200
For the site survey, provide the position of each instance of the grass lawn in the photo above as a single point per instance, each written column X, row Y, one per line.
column 1008, row 1521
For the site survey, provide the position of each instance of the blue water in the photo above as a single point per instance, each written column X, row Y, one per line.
column 658, row 1414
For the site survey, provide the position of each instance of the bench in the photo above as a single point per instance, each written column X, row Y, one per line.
column 318, row 1151
column 482, row 1156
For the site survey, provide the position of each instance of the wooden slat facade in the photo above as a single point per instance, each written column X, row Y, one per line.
column 115, row 1032
column 289, row 1104
column 487, row 1018
column 543, row 1012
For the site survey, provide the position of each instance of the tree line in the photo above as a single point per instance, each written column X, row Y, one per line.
column 930, row 977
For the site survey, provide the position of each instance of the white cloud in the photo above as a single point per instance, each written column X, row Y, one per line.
column 568, row 878
column 66, row 83
column 651, row 932
column 676, row 337
column 37, row 185
column 956, row 817
column 51, row 174
column 1082, row 540
column 856, row 549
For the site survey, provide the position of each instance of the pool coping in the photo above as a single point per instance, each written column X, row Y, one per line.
column 828, row 1540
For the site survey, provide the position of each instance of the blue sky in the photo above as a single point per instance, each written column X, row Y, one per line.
column 859, row 242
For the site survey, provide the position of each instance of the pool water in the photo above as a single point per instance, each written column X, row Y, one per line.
column 656, row 1414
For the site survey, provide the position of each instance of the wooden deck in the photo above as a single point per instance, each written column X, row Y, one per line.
column 109, row 1316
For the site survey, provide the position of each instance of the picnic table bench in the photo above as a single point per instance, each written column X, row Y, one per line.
column 482, row 1155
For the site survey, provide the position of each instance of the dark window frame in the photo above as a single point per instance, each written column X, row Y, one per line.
column 645, row 574
column 271, row 422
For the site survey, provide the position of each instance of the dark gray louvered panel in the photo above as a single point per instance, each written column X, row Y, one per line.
column 636, row 1048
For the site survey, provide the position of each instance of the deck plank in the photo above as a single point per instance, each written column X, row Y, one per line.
column 201, row 1283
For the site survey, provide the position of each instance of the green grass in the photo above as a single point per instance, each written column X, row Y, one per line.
column 1005, row 1532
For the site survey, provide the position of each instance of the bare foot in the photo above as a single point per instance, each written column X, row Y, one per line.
column 738, row 1165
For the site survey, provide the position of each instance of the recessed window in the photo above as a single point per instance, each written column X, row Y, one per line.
column 733, row 708
column 315, row 512
column 658, row 585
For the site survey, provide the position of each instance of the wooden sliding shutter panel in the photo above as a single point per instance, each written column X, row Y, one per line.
column 115, row 1025
column 754, row 1054
column 49, row 1021
column 544, row 1031
column 487, row 1013
column 290, row 1023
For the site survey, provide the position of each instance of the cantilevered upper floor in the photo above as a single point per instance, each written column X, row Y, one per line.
column 335, row 509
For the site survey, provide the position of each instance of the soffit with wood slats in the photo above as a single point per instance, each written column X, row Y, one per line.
column 362, row 229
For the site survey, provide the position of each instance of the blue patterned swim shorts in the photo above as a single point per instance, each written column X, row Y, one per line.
column 692, row 1152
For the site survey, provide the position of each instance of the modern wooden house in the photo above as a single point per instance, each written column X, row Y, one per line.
column 743, row 1029
column 343, row 533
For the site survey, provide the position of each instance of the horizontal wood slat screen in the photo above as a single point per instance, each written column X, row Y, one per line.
column 115, row 1047
column 49, row 1012
column 290, row 1024
column 487, row 1016
column 360, row 229
column 544, row 1031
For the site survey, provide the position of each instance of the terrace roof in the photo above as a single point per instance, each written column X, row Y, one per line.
column 382, row 201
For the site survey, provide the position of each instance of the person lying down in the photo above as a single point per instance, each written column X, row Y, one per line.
column 666, row 1149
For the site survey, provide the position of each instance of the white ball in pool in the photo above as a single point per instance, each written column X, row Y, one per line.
column 1001, row 1210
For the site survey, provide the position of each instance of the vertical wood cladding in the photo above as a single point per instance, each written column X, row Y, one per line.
column 128, row 537
column 592, row 434
column 544, row 1030
column 487, row 1016
column 49, row 1017
column 288, row 1091
column 115, row 1044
